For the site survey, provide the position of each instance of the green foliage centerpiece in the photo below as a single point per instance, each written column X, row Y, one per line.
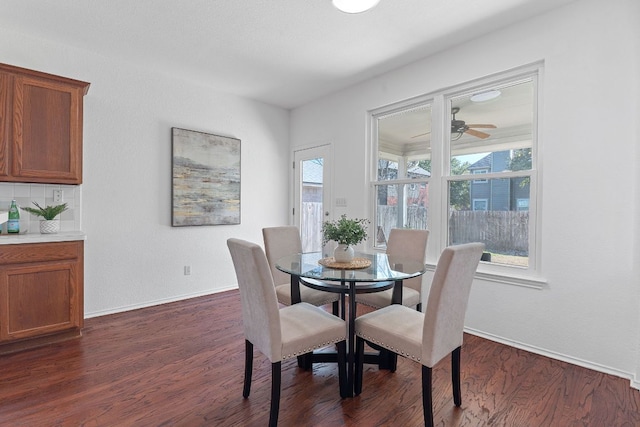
column 49, row 224
column 346, row 232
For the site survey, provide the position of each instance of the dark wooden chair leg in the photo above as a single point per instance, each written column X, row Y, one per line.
column 393, row 361
column 455, row 376
column 248, row 367
column 305, row 361
column 383, row 357
column 308, row 361
column 342, row 368
column 335, row 308
column 276, row 369
column 359, row 371
column 427, row 404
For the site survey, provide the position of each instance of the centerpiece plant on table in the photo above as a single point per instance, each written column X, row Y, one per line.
column 347, row 233
column 49, row 224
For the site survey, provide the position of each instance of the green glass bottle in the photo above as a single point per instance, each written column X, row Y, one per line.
column 13, row 225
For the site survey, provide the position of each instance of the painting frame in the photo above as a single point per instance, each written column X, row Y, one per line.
column 205, row 184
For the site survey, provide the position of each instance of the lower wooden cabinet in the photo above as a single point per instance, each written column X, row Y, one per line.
column 41, row 294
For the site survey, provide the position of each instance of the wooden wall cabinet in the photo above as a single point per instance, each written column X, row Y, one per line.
column 41, row 294
column 40, row 127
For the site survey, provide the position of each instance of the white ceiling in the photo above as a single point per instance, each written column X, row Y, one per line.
column 282, row 52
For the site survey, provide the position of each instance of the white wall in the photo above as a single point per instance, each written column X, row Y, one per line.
column 588, row 313
column 133, row 257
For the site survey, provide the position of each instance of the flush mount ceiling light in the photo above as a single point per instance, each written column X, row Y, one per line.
column 485, row 96
column 354, row 6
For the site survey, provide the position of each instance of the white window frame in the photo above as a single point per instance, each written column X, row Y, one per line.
column 530, row 276
column 374, row 116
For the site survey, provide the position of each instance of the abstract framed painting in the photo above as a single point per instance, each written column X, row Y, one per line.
column 206, row 179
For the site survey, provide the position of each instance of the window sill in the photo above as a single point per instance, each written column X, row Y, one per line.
column 505, row 278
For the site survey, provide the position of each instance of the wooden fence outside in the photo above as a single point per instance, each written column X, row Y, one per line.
column 504, row 232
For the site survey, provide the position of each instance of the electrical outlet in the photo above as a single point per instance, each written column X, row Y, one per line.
column 58, row 196
column 187, row 270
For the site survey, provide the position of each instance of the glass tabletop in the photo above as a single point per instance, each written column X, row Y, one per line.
column 382, row 268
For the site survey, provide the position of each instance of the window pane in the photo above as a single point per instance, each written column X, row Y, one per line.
column 312, row 210
column 404, row 144
column 400, row 206
column 494, row 212
column 493, row 135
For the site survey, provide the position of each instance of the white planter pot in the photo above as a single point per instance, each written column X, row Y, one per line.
column 343, row 253
column 49, row 226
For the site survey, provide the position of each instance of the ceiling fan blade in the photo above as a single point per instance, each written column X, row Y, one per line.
column 477, row 133
column 483, row 126
column 419, row 135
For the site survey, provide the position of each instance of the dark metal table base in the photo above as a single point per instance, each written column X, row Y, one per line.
column 384, row 358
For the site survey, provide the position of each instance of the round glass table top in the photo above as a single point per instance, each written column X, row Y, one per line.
column 382, row 268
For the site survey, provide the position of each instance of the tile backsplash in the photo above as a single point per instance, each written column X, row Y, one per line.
column 26, row 194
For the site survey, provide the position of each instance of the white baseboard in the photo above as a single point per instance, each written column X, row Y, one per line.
column 156, row 302
column 634, row 381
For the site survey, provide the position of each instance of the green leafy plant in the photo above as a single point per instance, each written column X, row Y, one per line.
column 49, row 212
column 345, row 231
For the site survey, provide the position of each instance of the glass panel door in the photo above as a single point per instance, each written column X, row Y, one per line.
column 312, row 195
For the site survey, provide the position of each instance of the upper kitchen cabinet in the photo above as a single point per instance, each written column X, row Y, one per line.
column 40, row 127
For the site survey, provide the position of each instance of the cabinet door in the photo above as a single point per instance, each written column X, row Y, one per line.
column 39, row 299
column 47, row 131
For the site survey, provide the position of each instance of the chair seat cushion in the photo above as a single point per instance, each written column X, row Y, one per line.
column 306, row 328
column 410, row 298
column 307, row 294
column 396, row 328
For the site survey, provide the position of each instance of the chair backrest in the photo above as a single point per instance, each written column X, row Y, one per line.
column 447, row 303
column 260, row 313
column 411, row 245
column 280, row 242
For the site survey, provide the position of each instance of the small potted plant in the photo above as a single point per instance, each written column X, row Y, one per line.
column 347, row 233
column 49, row 224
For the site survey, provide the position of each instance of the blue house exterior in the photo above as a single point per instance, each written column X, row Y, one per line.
column 509, row 194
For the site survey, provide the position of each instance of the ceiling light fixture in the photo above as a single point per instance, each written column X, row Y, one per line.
column 485, row 96
column 354, row 6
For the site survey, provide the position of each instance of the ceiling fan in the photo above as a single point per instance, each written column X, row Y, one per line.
column 459, row 127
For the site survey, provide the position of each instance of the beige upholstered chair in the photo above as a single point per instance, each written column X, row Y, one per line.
column 407, row 244
column 279, row 333
column 426, row 337
column 280, row 242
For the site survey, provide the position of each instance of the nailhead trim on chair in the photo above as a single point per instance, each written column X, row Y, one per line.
column 310, row 349
column 388, row 347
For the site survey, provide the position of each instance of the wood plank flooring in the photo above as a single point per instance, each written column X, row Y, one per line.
column 181, row 364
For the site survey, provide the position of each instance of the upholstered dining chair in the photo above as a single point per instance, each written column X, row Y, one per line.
column 426, row 337
column 406, row 244
column 280, row 242
column 283, row 333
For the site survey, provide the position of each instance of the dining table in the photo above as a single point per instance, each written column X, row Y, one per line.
column 368, row 272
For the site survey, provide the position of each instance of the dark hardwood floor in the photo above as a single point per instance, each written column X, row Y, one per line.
column 181, row 364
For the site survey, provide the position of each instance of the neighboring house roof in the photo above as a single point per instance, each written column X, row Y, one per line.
column 417, row 170
column 483, row 163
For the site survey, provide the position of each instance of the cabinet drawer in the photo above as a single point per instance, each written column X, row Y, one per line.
column 39, row 252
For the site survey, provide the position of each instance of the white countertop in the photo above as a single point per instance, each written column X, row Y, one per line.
column 63, row 236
